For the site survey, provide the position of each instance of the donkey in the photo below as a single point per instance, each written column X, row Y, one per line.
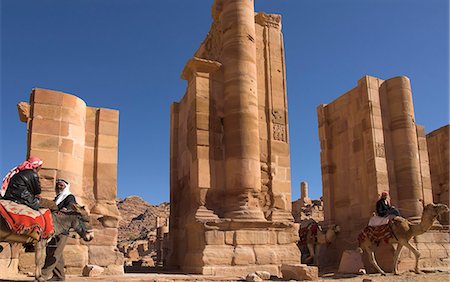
column 75, row 218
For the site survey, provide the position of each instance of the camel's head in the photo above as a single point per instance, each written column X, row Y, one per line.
column 334, row 228
column 435, row 210
column 81, row 224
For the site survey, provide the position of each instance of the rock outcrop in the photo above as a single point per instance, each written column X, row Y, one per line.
column 138, row 230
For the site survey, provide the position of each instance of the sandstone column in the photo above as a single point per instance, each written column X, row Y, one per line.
column 304, row 190
column 241, row 131
column 405, row 149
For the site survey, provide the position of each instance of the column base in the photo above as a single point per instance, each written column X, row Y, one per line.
column 249, row 214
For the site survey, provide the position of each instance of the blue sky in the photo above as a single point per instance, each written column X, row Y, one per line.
column 128, row 55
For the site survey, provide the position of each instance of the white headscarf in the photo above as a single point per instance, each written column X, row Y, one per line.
column 64, row 193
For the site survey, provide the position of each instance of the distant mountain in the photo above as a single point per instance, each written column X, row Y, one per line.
column 139, row 218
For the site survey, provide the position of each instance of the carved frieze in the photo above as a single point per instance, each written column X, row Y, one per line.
column 271, row 20
column 379, row 150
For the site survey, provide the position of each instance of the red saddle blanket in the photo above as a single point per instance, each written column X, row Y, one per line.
column 376, row 234
column 25, row 221
column 303, row 233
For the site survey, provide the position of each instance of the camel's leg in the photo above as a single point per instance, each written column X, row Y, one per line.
column 416, row 253
column 397, row 253
column 372, row 260
column 316, row 254
column 311, row 252
column 39, row 259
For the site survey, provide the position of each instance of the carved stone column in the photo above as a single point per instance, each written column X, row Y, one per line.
column 405, row 149
column 241, row 130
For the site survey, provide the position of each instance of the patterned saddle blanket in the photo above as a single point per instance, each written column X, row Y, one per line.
column 376, row 234
column 312, row 227
column 25, row 221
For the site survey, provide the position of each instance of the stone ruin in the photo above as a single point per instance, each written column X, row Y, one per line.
column 306, row 208
column 370, row 143
column 230, row 191
column 77, row 143
column 438, row 152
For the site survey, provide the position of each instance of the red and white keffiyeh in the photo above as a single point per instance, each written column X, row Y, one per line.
column 31, row 163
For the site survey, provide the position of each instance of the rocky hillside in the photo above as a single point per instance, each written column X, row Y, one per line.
column 139, row 218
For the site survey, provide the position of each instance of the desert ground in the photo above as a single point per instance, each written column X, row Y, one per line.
column 427, row 275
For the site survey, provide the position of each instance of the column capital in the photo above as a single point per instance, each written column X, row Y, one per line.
column 196, row 65
column 272, row 20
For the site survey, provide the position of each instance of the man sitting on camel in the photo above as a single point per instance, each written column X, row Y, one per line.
column 384, row 208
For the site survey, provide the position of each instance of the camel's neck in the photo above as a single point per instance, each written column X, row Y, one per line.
column 330, row 236
column 62, row 222
column 424, row 225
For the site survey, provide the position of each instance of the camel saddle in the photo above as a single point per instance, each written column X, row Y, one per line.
column 305, row 227
column 23, row 220
column 377, row 232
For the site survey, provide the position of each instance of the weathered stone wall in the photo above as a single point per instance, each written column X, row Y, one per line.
column 370, row 143
column 230, row 167
column 78, row 143
column 438, row 152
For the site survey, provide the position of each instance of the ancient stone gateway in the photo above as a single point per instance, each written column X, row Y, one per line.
column 370, row 143
column 230, row 170
column 78, row 143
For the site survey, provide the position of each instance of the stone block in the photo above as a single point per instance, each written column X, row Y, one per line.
column 105, row 255
column 218, row 255
column 253, row 237
column 109, row 221
column 107, row 171
column 45, row 96
column 215, row 237
column 50, row 112
column 108, row 115
column 239, row 271
column 266, row 255
column 103, row 237
column 68, row 163
column 299, row 272
column 287, row 237
column 243, row 255
column 107, row 155
column 108, row 128
column 253, row 277
column 107, row 141
column 114, row 269
column 66, row 146
column 108, row 208
column 288, row 254
column 264, row 275
column 106, row 189
column 23, row 109
column 92, row 270
column 229, row 237
column 46, row 126
column 73, row 116
column 75, row 132
column 76, row 256
column 351, row 262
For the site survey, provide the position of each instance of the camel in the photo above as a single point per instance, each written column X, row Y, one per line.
column 402, row 231
column 76, row 218
column 314, row 241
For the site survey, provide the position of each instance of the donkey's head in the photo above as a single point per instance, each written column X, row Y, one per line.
column 81, row 222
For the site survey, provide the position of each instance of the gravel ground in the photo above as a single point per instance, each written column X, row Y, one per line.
column 405, row 277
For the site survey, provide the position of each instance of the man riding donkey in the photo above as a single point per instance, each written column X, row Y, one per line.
column 21, row 184
column 20, row 187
